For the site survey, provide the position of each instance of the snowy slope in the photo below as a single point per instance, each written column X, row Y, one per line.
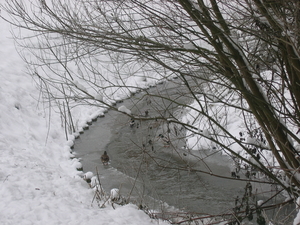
column 39, row 183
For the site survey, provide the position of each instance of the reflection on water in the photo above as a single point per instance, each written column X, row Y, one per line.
column 164, row 172
column 158, row 173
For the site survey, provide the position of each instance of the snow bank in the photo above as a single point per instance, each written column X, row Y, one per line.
column 232, row 121
column 39, row 182
column 124, row 109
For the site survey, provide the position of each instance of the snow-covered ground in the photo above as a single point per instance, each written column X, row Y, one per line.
column 39, row 183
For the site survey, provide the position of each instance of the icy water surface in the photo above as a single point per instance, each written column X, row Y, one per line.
column 157, row 172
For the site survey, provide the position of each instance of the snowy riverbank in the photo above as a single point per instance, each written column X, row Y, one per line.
column 39, row 181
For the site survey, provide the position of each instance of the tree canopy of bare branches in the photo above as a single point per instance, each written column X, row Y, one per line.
column 243, row 55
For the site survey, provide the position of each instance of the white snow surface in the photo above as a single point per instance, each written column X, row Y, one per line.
column 39, row 183
column 124, row 109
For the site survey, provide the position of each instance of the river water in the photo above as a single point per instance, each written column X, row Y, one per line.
column 151, row 172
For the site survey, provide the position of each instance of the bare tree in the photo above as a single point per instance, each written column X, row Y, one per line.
column 240, row 55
